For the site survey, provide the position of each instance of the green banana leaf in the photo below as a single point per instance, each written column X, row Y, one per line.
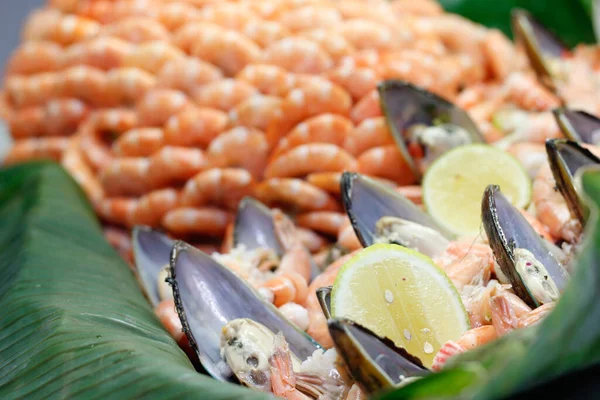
column 569, row 19
column 73, row 322
column 566, row 342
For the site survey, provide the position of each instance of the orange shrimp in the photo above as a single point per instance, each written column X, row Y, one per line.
column 309, row 158
column 334, row 44
column 506, row 309
column 326, row 222
column 65, row 6
column 240, row 147
column 173, row 165
column 347, row 238
column 299, row 55
column 500, row 54
column 125, row 176
column 139, row 142
column 27, row 122
column 371, row 132
column 51, row 148
column 324, row 128
column 107, row 12
column 229, row 50
column 535, row 316
column 158, row 105
column 386, row 162
column 310, row 17
column 269, row 79
column 466, row 270
column 218, row 186
column 526, row 92
column 264, row 33
column 470, row 339
column 104, row 53
column 63, row 115
column 74, row 162
column 187, row 74
column 116, row 210
column 137, row 29
column 287, row 287
column 540, row 228
column 34, row 58
column 295, row 194
column 24, row 91
column 328, row 181
column 282, row 376
column 531, row 156
column 152, row 56
column 175, row 15
column 367, row 107
column 167, row 314
column 68, row 29
column 86, row 83
column 127, row 85
column 185, row 36
column 357, row 81
column 310, row 239
column 229, row 16
column 208, row 221
column 194, row 126
column 256, row 112
column 224, row 94
column 151, row 207
column 363, row 34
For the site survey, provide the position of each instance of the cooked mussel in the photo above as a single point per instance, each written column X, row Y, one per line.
column 367, row 201
column 152, row 251
column 578, row 126
column 208, row 295
column 375, row 363
column 535, row 273
column 566, row 157
column 543, row 48
column 423, row 120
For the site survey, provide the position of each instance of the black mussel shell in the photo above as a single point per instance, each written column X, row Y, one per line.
column 578, row 126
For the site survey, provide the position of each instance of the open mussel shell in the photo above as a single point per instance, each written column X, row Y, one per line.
column 151, row 252
column 405, row 106
column 366, row 201
column 540, row 44
column 324, row 297
column 579, row 126
column 508, row 230
column 566, row 157
column 208, row 295
column 375, row 363
column 254, row 227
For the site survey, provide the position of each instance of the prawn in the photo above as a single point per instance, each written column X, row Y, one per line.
column 34, row 58
column 74, row 162
column 239, row 147
column 151, row 207
column 326, row 222
column 296, row 194
column 127, row 85
column 152, row 56
column 256, row 112
column 158, row 105
column 187, row 74
column 224, row 94
column 174, row 165
column 139, row 142
column 333, row 43
column 370, row 133
column 51, row 148
column 137, row 30
column 386, row 162
column 269, row 79
column 104, row 53
column 224, row 187
column 194, row 126
column 297, row 55
column 207, row 221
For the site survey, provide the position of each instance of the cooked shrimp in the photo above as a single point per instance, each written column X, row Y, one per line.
column 527, row 93
column 269, row 79
column 310, row 17
column 334, row 44
column 347, row 238
column 187, row 74
column 500, row 54
column 125, row 176
column 506, row 309
column 158, row 105
column 326, row 222
column 224, row 94
column 310, row 239
column 127, row 85
column 152, row 56
column 34, row 58
column 265, row 33
column 371, row 132
column 175, row 15
column 357, row 81
column 324, row 128
column 230, row 16
column 287, row 287
column 167, row 314
column 51, row 148
column 27, row 122
column 309, row 158
column 295, row 194
column 296, row 314
column 104, row 53
column 386, row 162
column 108, row 12
column 240, row 147
column 34, row 89
column 139, row 142
column 137, row 29
column 194, row 126
column 469, row 340
column 535, row 316
column 86, row 83
column 218, row 186
column 173, row 165
column 299, row 55
column 209, row 221
column 151, row 207
column 68, row 29
column 63, row 115
column 328, row 181
column 367, row 107
column 74, row 162
column 283, row 377
column 363, row 34
column 116, row 210
column 256, row 112
column 531, row 156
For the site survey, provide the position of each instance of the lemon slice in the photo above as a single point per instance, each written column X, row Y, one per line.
column 453, row 185
column 400, row 294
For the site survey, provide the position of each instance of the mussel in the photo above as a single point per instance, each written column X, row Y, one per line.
column 375, row 363
column 324, row 297
column 208, row 295
column 566, row 157
column 579, row 126
column 534, row 271
column 367, row 202
column 423, row 120
column 543, row 48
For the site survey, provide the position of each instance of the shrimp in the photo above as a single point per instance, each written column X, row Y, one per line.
column 116, row 210
column 137, row 30
column 269, row 79
column 174, row 165
column 529, row 94
column 326, row 222
column 225, row 187
column 265, row 33
column 370, row 133
column 531, row 156
column 295, row 194
column 74, row 162
column 367, row 107
column 364, row 34
column 334, row 44
column 158, row 105
column 328, row 181
column 86, row 83
column 127, row 85
column 309, row 158
column 357, row 81
column 296, row 314
column 386, row 162
column 230, row 16
column 240, row 147
column 347, row 238
column 187, row 74
column 298, row 55
column 310, row 17
column 224, row 94
column 33, row 90
column 108, row 12
column 283, row 378
column 227, row 49
column 104, row 53
column 310, row 239
column 125, row 176
column 499, row 53
column 208, row 221
column 287, row 287
column 151, row 207
column 194, row 126
column 27, row 122
column 506, row 309
column 51, row 148
column 152, row 56
column 175, row 15
column 470, row 339
column 139, row 142
column 536, row 315
column 68, row 29
column 34, row 58
column 324, row 128
column 256, row 112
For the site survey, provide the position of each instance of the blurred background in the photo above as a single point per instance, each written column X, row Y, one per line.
column 11, row 22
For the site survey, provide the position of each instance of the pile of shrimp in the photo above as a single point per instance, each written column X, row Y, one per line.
column 167, row 113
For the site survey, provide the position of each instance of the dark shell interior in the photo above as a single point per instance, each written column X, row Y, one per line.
column 578, row 126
